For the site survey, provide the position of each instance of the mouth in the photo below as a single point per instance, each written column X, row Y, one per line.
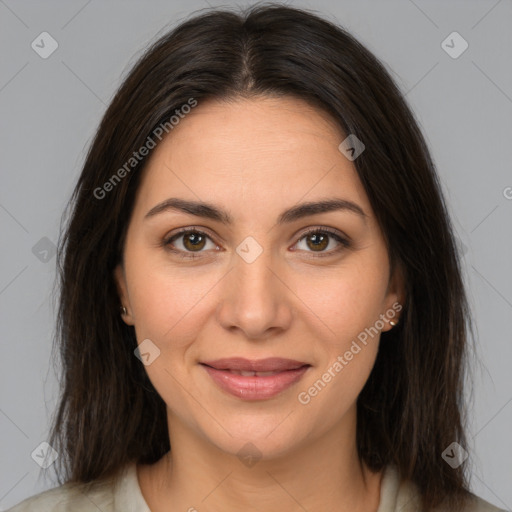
column 255, row 379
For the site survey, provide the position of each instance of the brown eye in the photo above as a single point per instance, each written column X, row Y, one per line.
column 187, row 242
column 193, row 241
column 319, row 239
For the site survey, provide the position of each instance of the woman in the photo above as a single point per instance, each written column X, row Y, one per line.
column 261, row 299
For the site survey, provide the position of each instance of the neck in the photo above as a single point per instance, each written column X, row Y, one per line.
column 323, row 475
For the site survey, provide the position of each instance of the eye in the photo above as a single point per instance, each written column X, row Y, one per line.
column 319, row 239
column 193, row 241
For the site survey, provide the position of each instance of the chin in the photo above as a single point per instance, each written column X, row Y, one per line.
column 265, row 436
column 249, row 448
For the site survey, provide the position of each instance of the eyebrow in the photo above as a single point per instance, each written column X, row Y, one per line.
column 210, row 211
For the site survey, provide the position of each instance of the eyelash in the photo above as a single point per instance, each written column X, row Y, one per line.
column 344, row 243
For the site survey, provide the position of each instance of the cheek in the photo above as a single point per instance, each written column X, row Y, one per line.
column 170, row 309
column 345, row 302
column 345, row 308
column 169, row 304
column 348, row 308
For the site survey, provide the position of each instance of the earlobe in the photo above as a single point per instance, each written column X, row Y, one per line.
column 395, row 300
column 391, row 315
column 124, row 303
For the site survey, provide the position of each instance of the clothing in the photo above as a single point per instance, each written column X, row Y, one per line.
column 124, row 495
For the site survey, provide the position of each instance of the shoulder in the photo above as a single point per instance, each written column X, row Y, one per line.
column 77, row 497
column 116, row 494
column 403, row 495
column 477, row 504
column 69, row 497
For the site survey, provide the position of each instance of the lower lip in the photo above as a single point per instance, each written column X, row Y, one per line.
column 255, row 388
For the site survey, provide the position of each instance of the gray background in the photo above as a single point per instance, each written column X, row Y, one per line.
column 51, row 107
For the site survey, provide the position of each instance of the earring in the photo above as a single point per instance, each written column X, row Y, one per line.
column 124, row 311
column 393, row 323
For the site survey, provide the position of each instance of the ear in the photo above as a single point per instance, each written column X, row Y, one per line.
column 122, row 290
column 395, row 299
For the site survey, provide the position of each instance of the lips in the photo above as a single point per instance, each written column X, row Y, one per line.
column 270, row 364
column 256, row 379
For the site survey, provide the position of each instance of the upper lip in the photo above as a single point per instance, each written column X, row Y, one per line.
column 270, row 364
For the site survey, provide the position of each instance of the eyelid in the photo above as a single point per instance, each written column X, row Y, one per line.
column 323, row 229
column 190, row 229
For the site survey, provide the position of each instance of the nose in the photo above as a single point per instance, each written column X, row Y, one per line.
column 255, row 299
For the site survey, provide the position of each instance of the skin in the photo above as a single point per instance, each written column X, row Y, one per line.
column 255, row 158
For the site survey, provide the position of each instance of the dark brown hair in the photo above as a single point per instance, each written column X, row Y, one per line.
column 411, row 408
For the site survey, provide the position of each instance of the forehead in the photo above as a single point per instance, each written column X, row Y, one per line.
column 252, row 155
column 249, row 128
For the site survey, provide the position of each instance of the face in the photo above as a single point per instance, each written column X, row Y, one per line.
column 311, row 286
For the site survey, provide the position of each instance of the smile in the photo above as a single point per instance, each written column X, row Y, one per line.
column 255, row 380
